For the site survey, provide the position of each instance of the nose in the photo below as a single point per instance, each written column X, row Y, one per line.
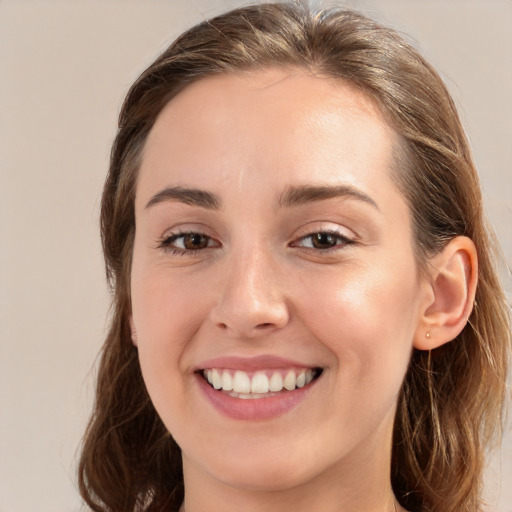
column 252, row 301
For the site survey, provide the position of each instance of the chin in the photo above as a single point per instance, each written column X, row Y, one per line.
column 263, row 475
column 264, row 463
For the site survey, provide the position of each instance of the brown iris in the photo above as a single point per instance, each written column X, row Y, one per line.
column 194, row 241
column 323, row 240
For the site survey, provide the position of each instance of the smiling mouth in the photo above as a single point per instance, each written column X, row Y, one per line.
column 259, row 384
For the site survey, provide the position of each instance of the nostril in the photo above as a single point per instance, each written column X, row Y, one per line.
column 264, row 325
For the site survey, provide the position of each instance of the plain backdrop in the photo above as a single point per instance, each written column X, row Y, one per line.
column 64, row 69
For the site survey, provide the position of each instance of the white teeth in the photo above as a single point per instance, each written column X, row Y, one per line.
column 216, row 379
column 227, row 381
column 240, row 385
column 241, row 382
column 259, row 383
column 301, row 379
column 276, row 382
column 290, row 381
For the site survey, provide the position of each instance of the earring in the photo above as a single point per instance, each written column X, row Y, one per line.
column 428, row 335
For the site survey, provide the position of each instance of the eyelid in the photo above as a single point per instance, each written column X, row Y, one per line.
column 184, row 228
column 326, row 227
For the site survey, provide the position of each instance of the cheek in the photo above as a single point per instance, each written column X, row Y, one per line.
column 162, row 316
column 165, row 316
column 366, row 317
column 164, row 308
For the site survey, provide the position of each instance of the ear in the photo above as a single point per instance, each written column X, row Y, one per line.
column 452, row 278
column 133, row 330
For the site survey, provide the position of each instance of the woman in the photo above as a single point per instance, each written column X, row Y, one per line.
column 306, row 312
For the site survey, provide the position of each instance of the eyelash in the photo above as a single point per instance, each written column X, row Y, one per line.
column 166, row 243
column 341, row 241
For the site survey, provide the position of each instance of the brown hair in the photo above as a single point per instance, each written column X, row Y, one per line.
column 450, row 406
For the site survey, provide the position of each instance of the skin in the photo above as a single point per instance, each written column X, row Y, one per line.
column 259, row 287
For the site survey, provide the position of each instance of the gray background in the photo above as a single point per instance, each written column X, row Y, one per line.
column 64, row 69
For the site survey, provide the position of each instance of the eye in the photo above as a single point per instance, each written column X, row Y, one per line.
column 323, row 240
column 183, row 243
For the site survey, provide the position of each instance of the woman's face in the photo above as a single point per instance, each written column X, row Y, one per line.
column 273, row 256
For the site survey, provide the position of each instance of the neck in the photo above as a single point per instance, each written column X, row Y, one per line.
column 281, row 503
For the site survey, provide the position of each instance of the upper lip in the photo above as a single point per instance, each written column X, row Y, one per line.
column 263, row 362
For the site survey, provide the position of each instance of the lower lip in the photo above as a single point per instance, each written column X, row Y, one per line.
column 255, row 409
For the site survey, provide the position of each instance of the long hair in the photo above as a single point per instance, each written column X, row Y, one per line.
column 450, row 404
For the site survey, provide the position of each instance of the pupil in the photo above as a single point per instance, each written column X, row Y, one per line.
column 323, row 240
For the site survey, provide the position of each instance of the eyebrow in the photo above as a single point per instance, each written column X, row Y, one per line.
column 292, row 196
column 296, row 196
column 191, row 196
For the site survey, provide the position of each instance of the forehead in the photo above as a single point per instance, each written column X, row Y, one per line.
column 287, row 124
column 288, row 95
